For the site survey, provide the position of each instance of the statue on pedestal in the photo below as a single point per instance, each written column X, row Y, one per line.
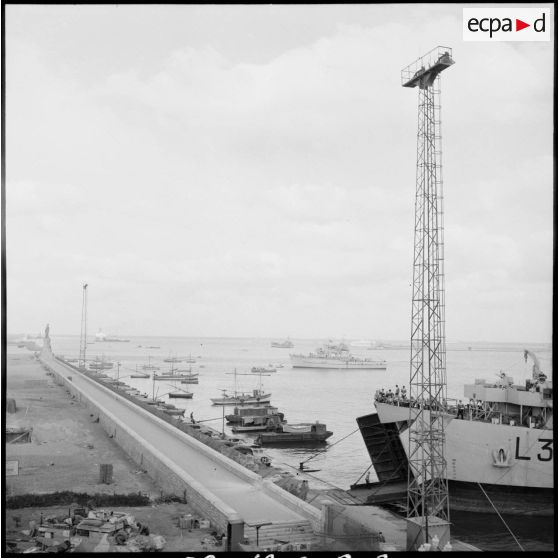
column 46, row 342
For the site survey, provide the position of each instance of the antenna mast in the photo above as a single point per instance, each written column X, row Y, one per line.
column 83, row 333
column 427, row 496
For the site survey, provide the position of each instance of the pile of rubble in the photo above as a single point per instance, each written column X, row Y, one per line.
column 85, row 530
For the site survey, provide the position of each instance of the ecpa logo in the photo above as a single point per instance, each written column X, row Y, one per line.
column 506, row 24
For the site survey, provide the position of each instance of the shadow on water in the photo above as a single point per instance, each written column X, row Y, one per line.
column 487, row 532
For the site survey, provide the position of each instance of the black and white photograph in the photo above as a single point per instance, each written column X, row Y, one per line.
column 277, row 278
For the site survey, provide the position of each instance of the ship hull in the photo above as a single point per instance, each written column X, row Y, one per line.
column 256, row 428
column 266, row 398
column 286, row 438
column 512, row 464
column 509, row 500
column 489, row 453
column 335, row 364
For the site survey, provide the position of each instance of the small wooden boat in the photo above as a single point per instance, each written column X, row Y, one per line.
column 190, row 381
column 257, row 396
column 263, row 370
column 149, row 366
column 172, row 359
column 101, row 365
column 174, row 412
column 181, row 395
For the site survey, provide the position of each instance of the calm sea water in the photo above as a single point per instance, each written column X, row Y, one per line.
column 333, row 397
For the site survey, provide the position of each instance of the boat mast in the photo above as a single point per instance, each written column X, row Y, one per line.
column 83, row 332
column 427, row 493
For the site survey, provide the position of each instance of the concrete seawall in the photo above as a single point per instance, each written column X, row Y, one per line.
column 165, row 473
column 176, row 480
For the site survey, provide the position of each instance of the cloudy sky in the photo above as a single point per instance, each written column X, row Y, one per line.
column 250, row 171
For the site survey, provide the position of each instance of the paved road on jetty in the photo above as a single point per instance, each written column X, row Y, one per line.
column 253, row 505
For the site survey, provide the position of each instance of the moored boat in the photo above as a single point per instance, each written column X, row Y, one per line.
column 263, row 370
column 302, row 433
column 101, row 364
column 257, row 396
column 241, row 411
column 171, row 376
column 181, row 395
column 190, row 379
column 172, row 359
column 255, row 451
column 500, row 439
column 258, row 423
column 166, row 376
column 174, row 412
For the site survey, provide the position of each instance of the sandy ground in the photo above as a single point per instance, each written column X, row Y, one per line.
column 66, row 452
column 67, row 447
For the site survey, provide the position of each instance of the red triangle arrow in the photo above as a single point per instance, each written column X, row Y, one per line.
column 519, row 25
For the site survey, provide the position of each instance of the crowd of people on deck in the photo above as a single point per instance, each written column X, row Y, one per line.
column 398, row 396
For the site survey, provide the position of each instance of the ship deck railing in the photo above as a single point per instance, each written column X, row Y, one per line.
column 477, row 412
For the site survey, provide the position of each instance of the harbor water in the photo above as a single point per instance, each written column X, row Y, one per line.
column 334, row 397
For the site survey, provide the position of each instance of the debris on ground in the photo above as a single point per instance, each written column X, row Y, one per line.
column 85, row 530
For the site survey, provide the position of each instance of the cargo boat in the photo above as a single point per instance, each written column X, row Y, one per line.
column 502, row 446
column 259, row 423
column 302, row 433
column 254, row 411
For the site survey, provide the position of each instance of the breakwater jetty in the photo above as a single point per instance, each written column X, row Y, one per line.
column 234, row 498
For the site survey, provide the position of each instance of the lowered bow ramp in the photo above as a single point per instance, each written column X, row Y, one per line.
column 385, row 448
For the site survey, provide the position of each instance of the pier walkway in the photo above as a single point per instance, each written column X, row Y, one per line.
column 231, row 486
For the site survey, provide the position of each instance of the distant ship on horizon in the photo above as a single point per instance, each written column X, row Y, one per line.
column 286, row 344
column 336, row 356
column 101, row 337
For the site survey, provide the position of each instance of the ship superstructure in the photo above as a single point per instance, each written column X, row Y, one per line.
column 335, row 358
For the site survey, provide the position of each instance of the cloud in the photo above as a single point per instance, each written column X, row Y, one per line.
column 217, row 181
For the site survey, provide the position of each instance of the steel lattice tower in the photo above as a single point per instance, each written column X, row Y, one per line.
column 83, row 333
column 427, row 497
